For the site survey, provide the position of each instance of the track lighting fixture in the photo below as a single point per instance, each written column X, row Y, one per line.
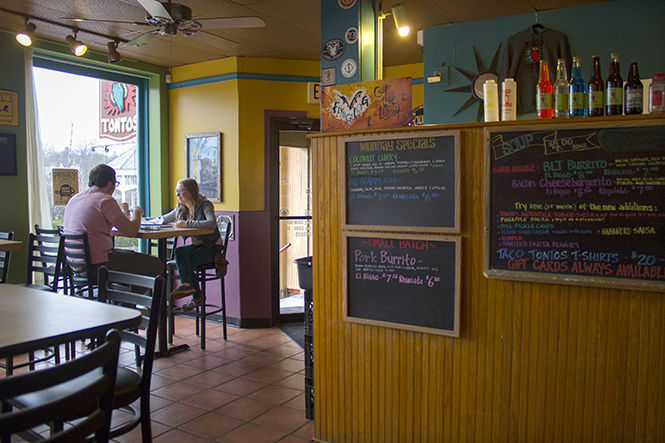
column 113, row 56
column 401, row 19
column 25, row 36
column 77, row 47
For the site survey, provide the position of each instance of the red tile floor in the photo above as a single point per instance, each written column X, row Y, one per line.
column 247, row 389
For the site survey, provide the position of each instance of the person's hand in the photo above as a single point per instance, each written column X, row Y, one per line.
column 181, row 224
column 125, row 208
column 137, row 212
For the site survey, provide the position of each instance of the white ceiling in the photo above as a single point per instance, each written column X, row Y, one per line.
column 292, row 28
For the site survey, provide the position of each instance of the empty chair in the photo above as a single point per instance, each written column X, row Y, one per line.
column 44, row 259
column 204, row 274
column 4, row 257
column 147, row 294
column 90, row 395
column 76, row 264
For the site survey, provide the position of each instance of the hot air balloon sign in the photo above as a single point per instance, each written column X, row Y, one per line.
column 117, row 110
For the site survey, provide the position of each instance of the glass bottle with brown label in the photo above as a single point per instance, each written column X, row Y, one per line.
column 614, row 88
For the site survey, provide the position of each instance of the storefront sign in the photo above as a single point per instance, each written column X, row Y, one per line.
column 313, row 93
column 117, row 111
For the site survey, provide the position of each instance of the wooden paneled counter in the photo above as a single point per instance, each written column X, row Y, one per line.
column 533, row 362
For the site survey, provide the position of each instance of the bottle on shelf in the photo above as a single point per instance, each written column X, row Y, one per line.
column 614, row 88
column 576, row 91
column 561, row 90
column 544, row 103
column 657, row 94
column 491, row 101
column 508, row 95
column 595, row 90
column 633, row 92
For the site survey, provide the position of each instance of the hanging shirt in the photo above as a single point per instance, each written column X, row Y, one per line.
column 521, row 61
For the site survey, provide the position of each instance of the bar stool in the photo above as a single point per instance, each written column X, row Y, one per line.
column 204, row 273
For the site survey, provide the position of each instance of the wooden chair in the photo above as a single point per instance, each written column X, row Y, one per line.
column 204, row 274
column 81, row 279
column 4, row 257
column 89, row 381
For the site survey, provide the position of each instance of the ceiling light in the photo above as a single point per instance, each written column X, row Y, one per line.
column 113, row 55
column 401, row 19
column 25, row 37
column 77, row 47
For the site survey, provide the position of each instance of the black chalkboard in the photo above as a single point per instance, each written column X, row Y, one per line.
column 577, row 205
column 400, row 281
column 405, row 181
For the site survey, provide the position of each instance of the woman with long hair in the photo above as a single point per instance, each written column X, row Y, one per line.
column 193, row 211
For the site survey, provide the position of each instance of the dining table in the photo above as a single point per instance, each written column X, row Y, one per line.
column 162, row 233
column 10, row 245
column 32, row 319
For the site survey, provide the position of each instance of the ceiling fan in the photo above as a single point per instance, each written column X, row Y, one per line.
column 169, row 19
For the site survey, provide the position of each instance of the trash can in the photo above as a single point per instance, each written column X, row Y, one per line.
column 305, row 282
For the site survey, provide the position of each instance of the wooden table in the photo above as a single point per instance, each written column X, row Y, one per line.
column 161, row 235
column 31, row 319
column 10, row 245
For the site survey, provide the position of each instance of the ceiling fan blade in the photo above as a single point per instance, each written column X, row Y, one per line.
column 155, row 9
column 142, row 39
column 213, row 39
column 231, row 22
column 81, row 19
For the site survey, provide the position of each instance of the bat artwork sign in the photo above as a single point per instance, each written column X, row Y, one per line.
column 375, row 104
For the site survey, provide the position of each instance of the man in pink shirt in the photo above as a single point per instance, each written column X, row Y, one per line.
column 96, row 212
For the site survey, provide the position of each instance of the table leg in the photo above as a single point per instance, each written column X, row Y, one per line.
column 164, row 350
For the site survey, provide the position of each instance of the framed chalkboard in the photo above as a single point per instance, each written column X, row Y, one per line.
column 403, row 182
column 402, row 281
column 577, row 204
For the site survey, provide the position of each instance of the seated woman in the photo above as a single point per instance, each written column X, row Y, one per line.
column 193, row 211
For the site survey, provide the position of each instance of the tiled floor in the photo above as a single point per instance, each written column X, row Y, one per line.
column 248, row 389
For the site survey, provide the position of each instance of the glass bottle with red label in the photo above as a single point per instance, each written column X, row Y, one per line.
column 544, row 105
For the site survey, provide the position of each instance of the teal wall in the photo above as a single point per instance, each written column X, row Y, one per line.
column 14, row 190
column 633, row 28
column 14, row 197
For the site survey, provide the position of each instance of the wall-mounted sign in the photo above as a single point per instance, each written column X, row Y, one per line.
column 349, row 67
column 328, row 77
column 346, row 4
column 351, row 35
column 8, row 154
column 8, row 108
column 313, row 93
column 375, row 104
column 65, row 184
column 117, row 110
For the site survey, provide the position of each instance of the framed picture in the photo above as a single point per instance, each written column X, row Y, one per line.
column 204, row 163
column 8, row 154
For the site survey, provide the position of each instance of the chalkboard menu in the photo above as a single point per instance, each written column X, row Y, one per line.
column 402, row 281
column 577, row 205
column 406, row 181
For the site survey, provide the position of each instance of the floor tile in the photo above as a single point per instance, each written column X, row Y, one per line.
column 241, row 386
column 178, row 391
column 275, row 394
column 295, row 381
column 209, row 379
column 245, row 409
column 306, row 432
column 177, row 414
column 297, row 403
column 268, row 375
column 211, row 425
column 237, row 368
column 178, row 436
column 252, row 433
column 282, row 418
column 210, row 399
column 180, row 371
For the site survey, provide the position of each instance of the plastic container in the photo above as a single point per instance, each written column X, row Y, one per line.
column 304, row 272
column 508, row 104
column 491, row 101
column 657, row 94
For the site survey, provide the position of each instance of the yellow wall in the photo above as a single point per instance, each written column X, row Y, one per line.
column 235, row 108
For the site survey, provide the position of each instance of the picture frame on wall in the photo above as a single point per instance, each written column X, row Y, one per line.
column 204, row 163
column 8, row 165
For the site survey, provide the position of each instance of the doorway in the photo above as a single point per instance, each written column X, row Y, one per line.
column 291, row 213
